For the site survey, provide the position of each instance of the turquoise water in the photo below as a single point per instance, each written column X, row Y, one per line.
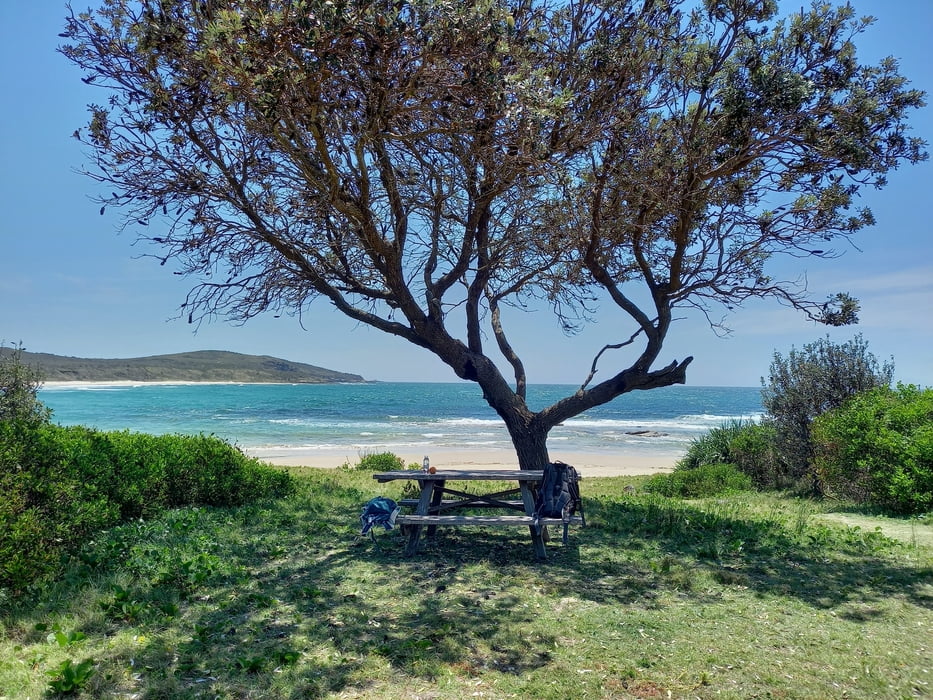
column 394, row 416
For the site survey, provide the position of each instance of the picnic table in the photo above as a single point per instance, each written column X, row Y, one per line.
column 440, row 504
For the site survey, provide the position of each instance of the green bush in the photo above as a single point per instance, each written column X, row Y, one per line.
column 700, row 482
column 59, row 485
column 809, row 382
column 877, row 449
column 712, row 447
column 753, row 450
column 19, row 386
column 380, row 462
column 747, row 444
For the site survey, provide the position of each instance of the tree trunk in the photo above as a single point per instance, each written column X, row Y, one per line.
column 530, row 446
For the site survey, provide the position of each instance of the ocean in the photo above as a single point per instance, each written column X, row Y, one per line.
column 266, row 419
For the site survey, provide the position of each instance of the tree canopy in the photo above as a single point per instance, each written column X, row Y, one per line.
column 424, row 164
column 809, row 382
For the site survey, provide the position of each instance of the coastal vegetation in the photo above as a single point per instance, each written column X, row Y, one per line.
column 59, row 486
column 176, row 567
column 731, row 596
column 833, row 426
column 199, row 366
column 703, row 481
column 878, row 448
column 809, row 382
column 431, row 168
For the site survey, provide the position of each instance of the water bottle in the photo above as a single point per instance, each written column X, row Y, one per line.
column 425, row 464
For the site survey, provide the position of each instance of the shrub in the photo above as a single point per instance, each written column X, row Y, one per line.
column 753, row 450
column 380, row 462
column 19, row 386
column 749, row 446
column 700, row 482
column 713, row 447
column 745, row 443
column 810, row 382
column 877, row 448
column 59, row 485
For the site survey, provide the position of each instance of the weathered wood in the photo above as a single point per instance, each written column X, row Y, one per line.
column 493, row 520
column 539, row 535
column 427, row 490
column 447, row 503
column 461, row 475
column 432, row 502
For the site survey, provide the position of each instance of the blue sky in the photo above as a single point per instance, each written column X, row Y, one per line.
column 71, row 285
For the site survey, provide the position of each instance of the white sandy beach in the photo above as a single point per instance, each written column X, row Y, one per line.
column 590, row 464
column 587, row 463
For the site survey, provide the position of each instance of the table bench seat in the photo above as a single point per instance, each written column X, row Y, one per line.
column 494, row 520
column 450, row 502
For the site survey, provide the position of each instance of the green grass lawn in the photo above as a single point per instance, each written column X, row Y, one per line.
column 749, row 595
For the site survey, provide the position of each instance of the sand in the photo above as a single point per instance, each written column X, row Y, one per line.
column 590, row 464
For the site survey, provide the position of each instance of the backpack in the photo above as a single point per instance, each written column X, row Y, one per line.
column 558, row 495
column 379, row 511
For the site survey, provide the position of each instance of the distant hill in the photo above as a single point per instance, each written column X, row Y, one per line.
column 200, row 366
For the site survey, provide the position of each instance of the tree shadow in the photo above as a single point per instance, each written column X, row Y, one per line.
column 307, row 608
column 305, row 616
column 317, row 604
column 820, row 565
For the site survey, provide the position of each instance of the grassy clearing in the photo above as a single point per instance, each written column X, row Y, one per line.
column 743, row 596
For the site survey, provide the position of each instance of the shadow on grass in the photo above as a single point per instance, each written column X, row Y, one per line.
column 820, row 565
column 302, row 607
column 639, row 546
column 295, row 604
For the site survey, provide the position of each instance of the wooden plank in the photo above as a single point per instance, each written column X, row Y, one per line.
column 435, row 501
column 461, row 475
column 493, row 500
column 427, row 490
column 455, row 502
column 494, row 520
column 539, row 535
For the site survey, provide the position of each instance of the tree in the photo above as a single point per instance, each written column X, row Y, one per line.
column 19, row 389
column 810, row 382
column 423, row 165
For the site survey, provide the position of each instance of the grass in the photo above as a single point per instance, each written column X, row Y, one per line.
column 747, row 595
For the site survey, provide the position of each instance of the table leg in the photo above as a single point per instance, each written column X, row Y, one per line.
column 427, row 490
column 536, row 538
column 436, row 499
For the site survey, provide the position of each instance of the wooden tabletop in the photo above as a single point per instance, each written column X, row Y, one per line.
column 462, row 475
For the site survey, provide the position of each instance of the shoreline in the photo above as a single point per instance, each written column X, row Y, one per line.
column 592, row 464
column 122, row 383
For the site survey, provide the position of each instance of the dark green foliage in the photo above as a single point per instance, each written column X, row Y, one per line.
column 19, row 384
column 740, row 442
column 877, row 448
column 749, row 446
column 809, row 382
column 70, row 677
column 59, row 485
column 713, row 447
column 753, row 449
column 700, row 482
column 380, row 462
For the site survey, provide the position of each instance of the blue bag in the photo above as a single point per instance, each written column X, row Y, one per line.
column 379, row 511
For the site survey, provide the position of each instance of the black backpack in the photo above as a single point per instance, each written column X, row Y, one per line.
column 558, row 495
